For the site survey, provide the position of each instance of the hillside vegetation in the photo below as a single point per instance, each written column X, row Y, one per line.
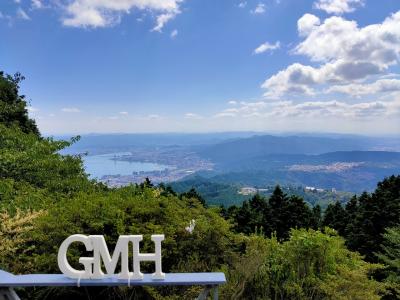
column 228, row 194
column 46, row 196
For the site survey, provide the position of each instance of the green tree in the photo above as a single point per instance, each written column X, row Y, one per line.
column 300, row 215
column 375, row 213
column 316, row 218
column 390, row 256
column 278, row 215
column 192, row 193
column 13, row 110
column 335, row 217
column 24, row 157
column 310, row 265
column 275, row 216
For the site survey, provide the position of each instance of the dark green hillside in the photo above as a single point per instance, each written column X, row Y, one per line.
column 226, row 194
column 213, row 192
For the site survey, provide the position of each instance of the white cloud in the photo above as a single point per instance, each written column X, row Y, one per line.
column 242, row 4
column 358, row 89
column 307, row 23
column 174, row 33
column 232, row 102
column 308, row 110
column 338, row 6
column 346, row 54
column 70, row 110
column 124, row 113
column 37, row 4
column 295, row 79
column 193, row 116
column 267, row 47
column 21, row 14
column 246, row 109
column 339, row 38
column 260, row 9
column 163, row 19
column 102, row 13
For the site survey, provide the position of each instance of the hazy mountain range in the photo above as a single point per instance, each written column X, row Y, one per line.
column 344, row 162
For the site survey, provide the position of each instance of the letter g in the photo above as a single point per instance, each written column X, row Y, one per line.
column 63, row 264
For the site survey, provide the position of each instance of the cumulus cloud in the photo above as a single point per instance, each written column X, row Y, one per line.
column 315, row 109
column 338, row 38
column 346, row 55
column 267, row 47
column 307, row 23
column 359, row 89
column 295, row 79
column 242, row 4
column 338, row 6
column 102, row 13
column 260, row 9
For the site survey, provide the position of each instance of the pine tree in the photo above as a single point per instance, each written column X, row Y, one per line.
column 278, row 216
column 335, row 217
column 375, row 213
column 300, row 215
column 390, row 256
column 316, row 218
column 192, row 193
column 259, row 211
column 351, row 209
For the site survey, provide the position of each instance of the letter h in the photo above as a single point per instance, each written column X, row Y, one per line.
column 139, row 257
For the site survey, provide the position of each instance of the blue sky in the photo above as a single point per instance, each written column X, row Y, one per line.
column 206, row 65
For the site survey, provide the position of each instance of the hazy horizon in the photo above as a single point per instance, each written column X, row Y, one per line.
column 249, row 132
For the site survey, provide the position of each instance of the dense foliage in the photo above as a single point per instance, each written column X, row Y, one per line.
column 219, row 192
column 13, row 110
column 275, row 215
column 45, row 197
column 364, row 219
column 390, row 256
column 310, row 265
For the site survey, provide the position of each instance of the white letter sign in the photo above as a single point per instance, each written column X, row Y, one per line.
column 97, row 244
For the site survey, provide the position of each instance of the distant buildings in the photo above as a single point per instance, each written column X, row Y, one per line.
column 247, row 191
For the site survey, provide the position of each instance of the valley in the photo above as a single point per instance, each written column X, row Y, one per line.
column 229, row 168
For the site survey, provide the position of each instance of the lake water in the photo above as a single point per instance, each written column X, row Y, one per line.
column 99, row 165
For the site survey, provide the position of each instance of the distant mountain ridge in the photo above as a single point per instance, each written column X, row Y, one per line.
column 262, row 145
